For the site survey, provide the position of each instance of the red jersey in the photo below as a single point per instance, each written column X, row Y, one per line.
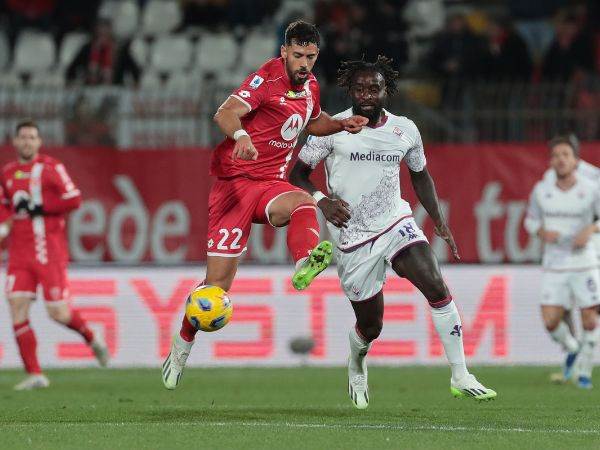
column 279, row 111
column 44, row 182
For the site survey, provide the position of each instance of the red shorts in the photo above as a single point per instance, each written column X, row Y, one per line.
column 23, row 280
column 233, row 206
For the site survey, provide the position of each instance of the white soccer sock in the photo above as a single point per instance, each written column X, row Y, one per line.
column 358, row 349
column 183, row 344
column 563, row 336
column 449, row 328
column 585, row 360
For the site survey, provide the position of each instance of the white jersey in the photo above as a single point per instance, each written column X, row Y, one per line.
column 567, row 213
column 364, row 170
column 590, row 172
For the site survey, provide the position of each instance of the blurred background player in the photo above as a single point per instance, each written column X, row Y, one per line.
column 262, row 120
column 373, row 227
column 561, row 213
column 38, row 193
column 591, row 173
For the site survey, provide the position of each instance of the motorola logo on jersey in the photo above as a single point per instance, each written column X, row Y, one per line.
column 292, row 127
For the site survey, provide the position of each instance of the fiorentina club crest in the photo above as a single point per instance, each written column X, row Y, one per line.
column 397, row 131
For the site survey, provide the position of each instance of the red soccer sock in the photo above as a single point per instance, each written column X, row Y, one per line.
column 27, row 344
column 78, row 324
column 303, row 231
column 188, row 331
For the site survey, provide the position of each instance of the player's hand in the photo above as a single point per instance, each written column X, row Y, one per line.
column 582, row 238
column 444, row 232
column 244, row 149
column 336, row 211
column 354, row 124
column 549, row 237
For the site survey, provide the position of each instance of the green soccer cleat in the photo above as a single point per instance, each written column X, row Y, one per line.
column 317, row 262
column 469, row 387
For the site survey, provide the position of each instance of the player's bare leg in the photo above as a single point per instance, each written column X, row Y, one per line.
column 553, row 316
column 220, row 271
column 27, row 343
column 419, row 265
column 369, row 322
column 590, row 338
column 61, row 312
column 298, row 211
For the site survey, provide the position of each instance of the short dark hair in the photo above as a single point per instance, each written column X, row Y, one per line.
column 302, row 33
column 382, row 65
column 569, row 139
column 27, row 123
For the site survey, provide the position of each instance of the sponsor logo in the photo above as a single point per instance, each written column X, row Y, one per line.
column 281, row 100
column 244, row 94
column 292, row 127
column 375, row 157
column 457, row 331
column 256, row 82
column 20, row 175
column 294, row 95
column 279, row 144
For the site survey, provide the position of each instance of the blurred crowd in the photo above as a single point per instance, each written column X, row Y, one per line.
column 511, row 40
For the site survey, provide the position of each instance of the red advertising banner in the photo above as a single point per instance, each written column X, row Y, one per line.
column 151, row 205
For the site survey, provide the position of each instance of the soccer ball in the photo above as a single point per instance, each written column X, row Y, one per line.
column 208, row 308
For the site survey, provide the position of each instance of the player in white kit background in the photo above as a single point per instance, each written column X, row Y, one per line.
column 561, row 213
column 372, row 225
column 591, row 173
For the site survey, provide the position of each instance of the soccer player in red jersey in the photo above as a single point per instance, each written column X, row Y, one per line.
column 262, row 120
column 37, row 193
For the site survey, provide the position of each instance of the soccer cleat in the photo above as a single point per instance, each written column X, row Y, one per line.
column 358, row 388
column 584, row 382
column 100, row 351
column 37, row 381
column 173, row 366
column 567, row 372
column 468, row 386
column 320, row 257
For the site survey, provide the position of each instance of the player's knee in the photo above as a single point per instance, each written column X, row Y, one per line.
column 59, row 314
column 436, row 290
column 551, row 323
column 371, row 331
column 589, row 321
column 223, row 282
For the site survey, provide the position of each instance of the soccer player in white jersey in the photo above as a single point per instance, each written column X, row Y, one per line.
column 562, row 214
column 591, row 173
column 372, row 225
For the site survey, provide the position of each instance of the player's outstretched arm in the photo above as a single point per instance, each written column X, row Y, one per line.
column 228, row 118
column 335, row 210
column 324, row 125
column 427, row 195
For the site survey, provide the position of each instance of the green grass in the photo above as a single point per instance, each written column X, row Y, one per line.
column 304, row 408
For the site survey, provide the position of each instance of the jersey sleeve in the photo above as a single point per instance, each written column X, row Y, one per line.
column 67, row 197
column 415, row 157
column 5, row 204
column 316, row 149
column 316, row 94
column 533, row 218
column 253, row 91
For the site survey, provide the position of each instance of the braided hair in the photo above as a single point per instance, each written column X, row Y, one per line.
column 382, row 65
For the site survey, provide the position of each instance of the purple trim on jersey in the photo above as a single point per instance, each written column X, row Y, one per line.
column 379, row 125
column 355, row 246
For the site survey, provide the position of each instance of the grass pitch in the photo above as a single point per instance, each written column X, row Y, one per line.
column 300, row 408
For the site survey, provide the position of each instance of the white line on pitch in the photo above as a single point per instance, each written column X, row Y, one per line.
column 315, row 425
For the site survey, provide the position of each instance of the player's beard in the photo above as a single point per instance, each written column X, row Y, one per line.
column 373, row 115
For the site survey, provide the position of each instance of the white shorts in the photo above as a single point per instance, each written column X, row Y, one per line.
column 362, row 270
column 559, row 288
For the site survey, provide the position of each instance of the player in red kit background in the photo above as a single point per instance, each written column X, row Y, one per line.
column 37, row 193
column 262, row 121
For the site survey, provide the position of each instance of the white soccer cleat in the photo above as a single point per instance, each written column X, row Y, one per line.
column 358, row 388
column 37, row 381
column 468, row 386
column 100, row 350
column 173, row 366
